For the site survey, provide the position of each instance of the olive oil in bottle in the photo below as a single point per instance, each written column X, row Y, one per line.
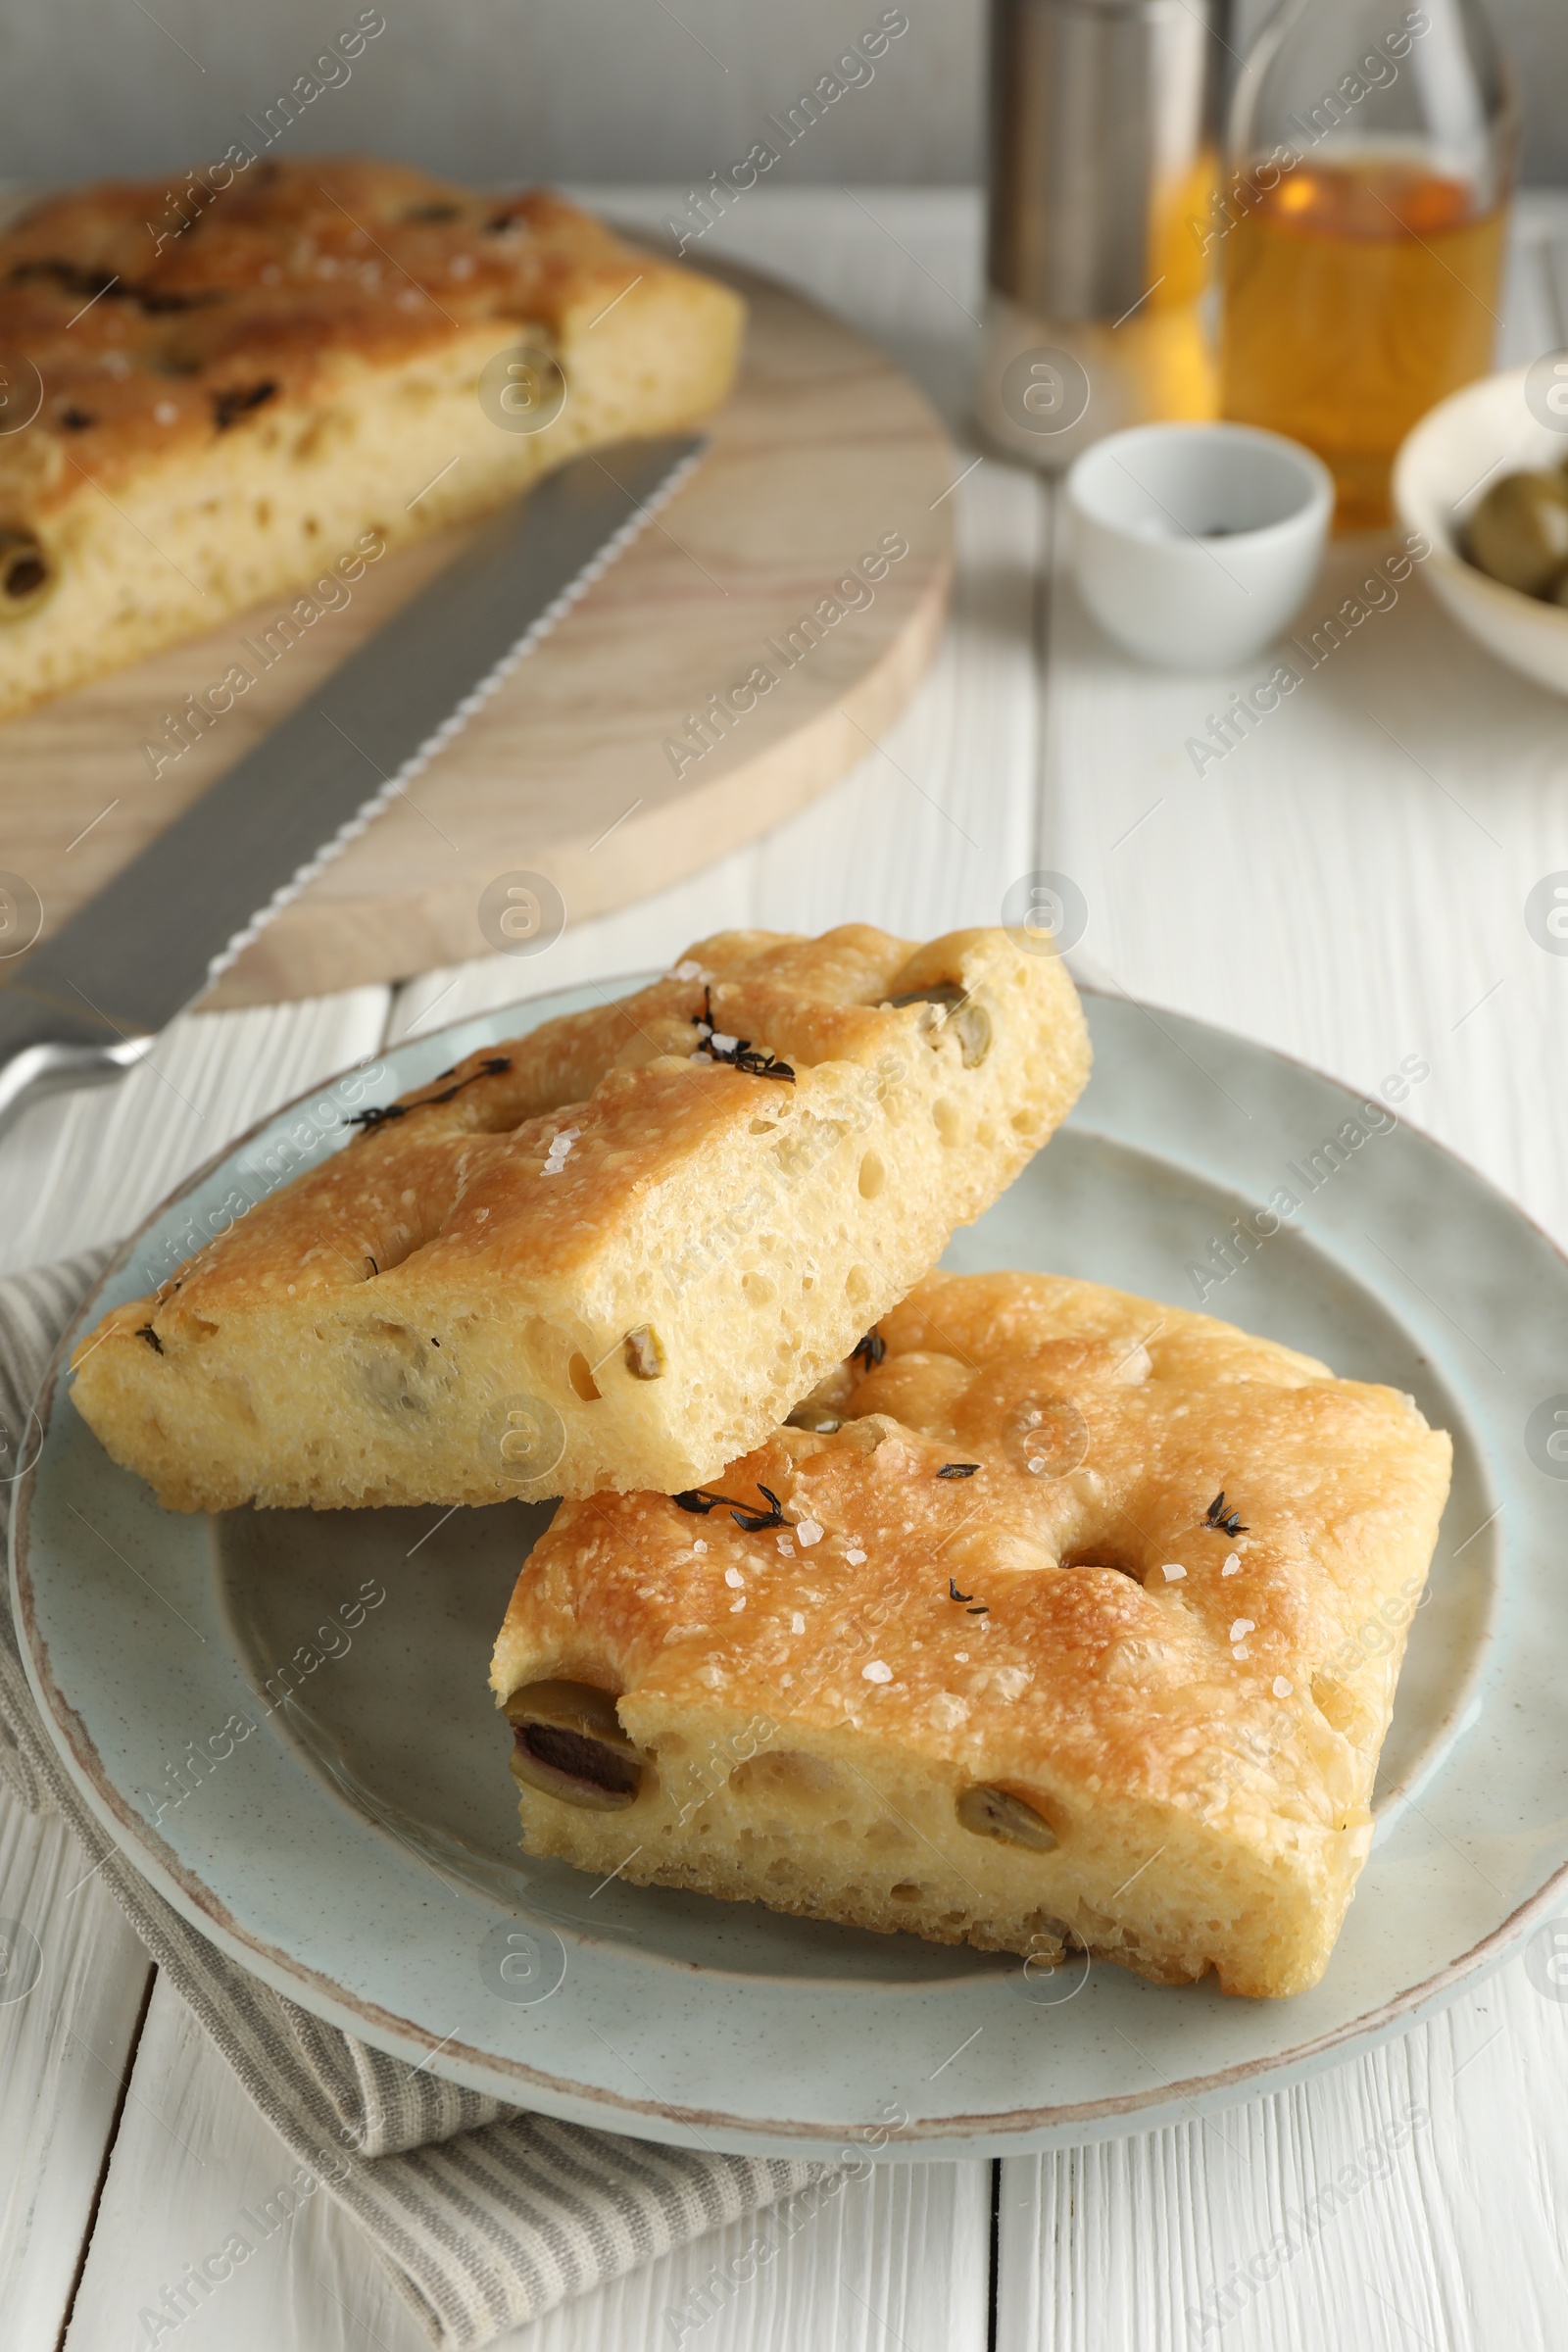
column 1370, row 160
column 1355, row 297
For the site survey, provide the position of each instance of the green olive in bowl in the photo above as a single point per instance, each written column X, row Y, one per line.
column 1519, row 533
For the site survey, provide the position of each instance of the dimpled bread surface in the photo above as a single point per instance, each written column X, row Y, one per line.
column 1063, row 1698
column 609, row 1254
column 229, row 411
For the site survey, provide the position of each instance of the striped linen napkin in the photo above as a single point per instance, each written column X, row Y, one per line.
column 484, row 2216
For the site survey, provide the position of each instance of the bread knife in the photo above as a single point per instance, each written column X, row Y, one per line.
column 88, row 1003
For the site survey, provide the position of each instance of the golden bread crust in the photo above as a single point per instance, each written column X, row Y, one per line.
column 245, row 401
column 400, row 1323
column 1202, row 1744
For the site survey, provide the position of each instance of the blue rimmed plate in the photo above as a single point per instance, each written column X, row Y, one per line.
column 283, row 1718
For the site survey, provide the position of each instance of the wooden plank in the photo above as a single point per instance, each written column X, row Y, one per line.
column 896, row 2259
column 1446, row 2164
column 903, row 265
column 65, row 2043
column 1347, row 884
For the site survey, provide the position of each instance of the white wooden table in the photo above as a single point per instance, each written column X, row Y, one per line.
column 1345, row 897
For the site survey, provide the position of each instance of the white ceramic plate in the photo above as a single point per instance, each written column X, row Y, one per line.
column 357, row 1844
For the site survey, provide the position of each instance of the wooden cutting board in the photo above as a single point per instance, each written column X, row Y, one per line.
column 585, row 768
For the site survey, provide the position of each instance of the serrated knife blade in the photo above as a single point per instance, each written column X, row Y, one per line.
column 88, row 1003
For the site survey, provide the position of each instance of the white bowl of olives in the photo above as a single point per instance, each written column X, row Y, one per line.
column 1484, row 476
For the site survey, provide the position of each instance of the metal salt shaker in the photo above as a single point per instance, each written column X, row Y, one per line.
column 1104, row 145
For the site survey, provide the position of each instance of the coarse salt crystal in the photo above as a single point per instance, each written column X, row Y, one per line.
column 700, row 1545
column 1239, row 1649
column 796, row 1623
column 876, row 1672
column 734, row 1578
column 962, row 1657
column 855, row 1558
column 809, row 1531
column 736, row 1606
column 1173, row 1572
column 1231, row 1568
column 1280, row 1687
column 1242, row 1627
column 786, row 1547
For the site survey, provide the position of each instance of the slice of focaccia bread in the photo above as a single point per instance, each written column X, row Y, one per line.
column 228, row 408
column 1037, row 1629
column 486, row 1294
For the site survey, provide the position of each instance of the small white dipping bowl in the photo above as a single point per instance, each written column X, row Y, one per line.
column 1445, row 468
column 1194, row 545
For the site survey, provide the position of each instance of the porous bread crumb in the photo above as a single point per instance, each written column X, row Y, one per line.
column 1195, row 1802
column 715, row 1242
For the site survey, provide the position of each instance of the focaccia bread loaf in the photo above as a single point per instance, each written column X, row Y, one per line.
column 485, row 1294
column 1036, row 1630
column 227, row 410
